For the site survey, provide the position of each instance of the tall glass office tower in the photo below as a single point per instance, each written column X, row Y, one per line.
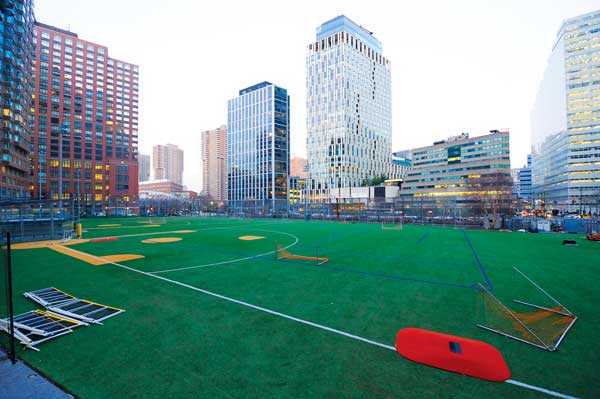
column 565, row 121
column 258, row 149
column 348, row 121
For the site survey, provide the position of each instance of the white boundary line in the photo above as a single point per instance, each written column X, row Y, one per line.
column 320, row 326
column 544, row 390
column 235, row 260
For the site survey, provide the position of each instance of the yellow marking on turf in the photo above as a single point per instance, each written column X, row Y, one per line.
column 92, row 259
column 108, row 225
column 250, row 238
column 161, row 239
column 45, row 244
column 121, row 258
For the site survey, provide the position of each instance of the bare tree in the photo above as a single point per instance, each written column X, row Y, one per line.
column 493, row 196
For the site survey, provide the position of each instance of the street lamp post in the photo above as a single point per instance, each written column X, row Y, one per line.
column 78, row 197
column 63, row 130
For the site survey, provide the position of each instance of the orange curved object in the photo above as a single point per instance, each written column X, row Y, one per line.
column 283, row 254
column 452, row 353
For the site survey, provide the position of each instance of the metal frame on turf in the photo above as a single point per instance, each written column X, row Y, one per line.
column 542, row 345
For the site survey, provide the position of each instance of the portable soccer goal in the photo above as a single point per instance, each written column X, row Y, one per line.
column 282, row 253
column 391, row 223
column 541, row 326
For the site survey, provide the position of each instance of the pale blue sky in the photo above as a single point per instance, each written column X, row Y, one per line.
column 457, row 66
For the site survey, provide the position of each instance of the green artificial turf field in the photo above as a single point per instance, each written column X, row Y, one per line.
column 214, row 316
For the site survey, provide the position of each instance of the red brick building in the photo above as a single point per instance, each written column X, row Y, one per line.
column 160, row 186
column 91, row 100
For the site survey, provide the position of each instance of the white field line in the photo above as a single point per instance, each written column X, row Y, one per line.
column 539, row 389
column 296, row 239
column 319, row 326
column 195, row 230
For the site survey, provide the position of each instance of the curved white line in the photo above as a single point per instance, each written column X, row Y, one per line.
column 296, row 240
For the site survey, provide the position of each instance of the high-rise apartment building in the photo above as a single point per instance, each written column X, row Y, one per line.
column 349, row 122
column 258, row 149
column 565, row 121
column 144, row 167
column 468, row 170
column 525, row 180
column 16, row 46
column 214, row 163
column 167, row 163
column 85, row 112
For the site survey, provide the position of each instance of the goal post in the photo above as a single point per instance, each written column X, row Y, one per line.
column 391, row 223
column 544, row 327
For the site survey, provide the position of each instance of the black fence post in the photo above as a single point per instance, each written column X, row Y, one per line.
column 9, row 302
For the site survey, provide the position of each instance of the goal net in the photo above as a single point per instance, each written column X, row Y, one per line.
column 391, row 223
column 282, row 253
column 542, row 326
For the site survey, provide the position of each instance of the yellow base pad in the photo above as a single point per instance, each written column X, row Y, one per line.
column 160, row 240
column 250, row 238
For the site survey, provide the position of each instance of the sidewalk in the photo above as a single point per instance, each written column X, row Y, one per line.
column 18, row 381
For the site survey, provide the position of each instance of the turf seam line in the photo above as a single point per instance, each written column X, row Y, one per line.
column 382, row 275
column 479, row 265
column 424, row 236
column 309, row 323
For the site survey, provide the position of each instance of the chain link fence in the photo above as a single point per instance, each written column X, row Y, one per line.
column 38, row 220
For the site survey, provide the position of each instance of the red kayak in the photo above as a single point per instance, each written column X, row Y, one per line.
column 452, row 353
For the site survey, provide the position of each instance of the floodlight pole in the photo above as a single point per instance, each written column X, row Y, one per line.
column 78, row 196
column 63, row 129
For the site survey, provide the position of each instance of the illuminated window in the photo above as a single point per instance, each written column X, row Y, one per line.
column 98, row 197
column 99, row 176
column 54, row 162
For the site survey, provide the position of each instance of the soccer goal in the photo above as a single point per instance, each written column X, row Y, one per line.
column 541, row 326
column 391, row 223
column 67, row 235
column 282, row 253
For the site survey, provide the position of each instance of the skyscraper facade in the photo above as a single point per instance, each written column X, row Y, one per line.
column 349, row 122
column 144, row 167
column 85, row 112
column 167, row 163
column 565, row 121
column 214, row 163
column 525, row 180
column 16, row 46
column 258, row 149
column 469, row 171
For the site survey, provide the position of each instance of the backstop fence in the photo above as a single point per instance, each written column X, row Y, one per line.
column 38, row 220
